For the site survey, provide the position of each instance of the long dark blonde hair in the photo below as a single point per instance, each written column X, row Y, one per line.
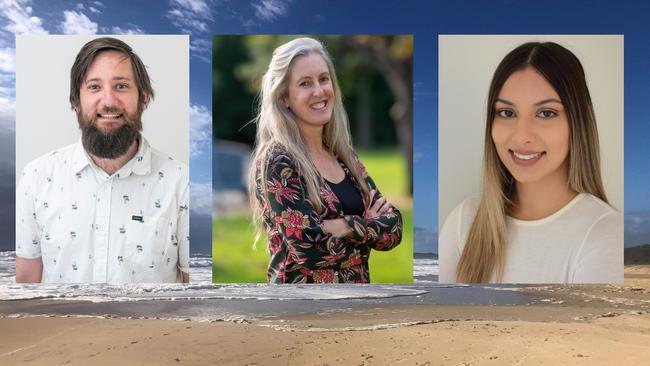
column 277, row 127
column 485, row 249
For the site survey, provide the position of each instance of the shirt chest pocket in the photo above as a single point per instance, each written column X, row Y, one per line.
column 150, row 242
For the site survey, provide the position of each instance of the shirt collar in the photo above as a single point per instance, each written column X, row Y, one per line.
column 140, row 164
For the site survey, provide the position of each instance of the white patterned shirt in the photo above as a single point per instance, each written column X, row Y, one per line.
column 87, row 226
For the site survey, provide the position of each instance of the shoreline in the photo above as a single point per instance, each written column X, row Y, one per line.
column 578, row 324
column 605, row 341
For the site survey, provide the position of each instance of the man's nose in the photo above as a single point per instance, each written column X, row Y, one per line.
column 109, row 99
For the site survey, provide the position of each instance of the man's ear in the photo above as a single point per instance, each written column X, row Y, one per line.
column 146, row 98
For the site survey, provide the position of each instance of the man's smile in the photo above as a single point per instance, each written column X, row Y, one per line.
column 109, row 116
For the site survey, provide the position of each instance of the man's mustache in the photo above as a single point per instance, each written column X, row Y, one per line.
column 110, row 110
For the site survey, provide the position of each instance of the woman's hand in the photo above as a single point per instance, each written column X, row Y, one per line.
column 336, row 227
column 340, row 228
column 380, row 207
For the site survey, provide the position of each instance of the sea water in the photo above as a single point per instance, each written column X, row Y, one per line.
column 204, row 301
column 200, row 287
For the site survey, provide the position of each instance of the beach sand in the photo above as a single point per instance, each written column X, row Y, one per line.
column 573, row 325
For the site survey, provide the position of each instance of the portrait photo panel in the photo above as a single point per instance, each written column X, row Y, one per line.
column 557, row 107
column 43, row 77
column 318, row 130
column 102, row 158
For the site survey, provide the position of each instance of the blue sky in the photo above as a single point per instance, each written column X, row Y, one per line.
column 425, row 19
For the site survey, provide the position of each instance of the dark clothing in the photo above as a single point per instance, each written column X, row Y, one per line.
column 300, row 251
column 348, row 195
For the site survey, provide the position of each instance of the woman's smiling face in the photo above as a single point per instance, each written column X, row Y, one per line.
column 530, row 130
column 310, row 93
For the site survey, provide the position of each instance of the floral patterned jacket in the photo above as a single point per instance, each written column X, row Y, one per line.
column 300, row 251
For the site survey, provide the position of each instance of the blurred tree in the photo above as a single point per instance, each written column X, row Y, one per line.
column 375, row 74
column 393, row 57
column 232, row 102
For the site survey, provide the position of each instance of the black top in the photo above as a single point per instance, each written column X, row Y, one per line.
column 349, row 196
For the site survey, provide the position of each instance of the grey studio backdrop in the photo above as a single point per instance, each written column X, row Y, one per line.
column 44, row 118
column 466, row 66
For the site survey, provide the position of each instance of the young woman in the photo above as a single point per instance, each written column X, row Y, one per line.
column 321, row 211
column 542, row 216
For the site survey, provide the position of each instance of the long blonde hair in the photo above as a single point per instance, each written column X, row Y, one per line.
column 277, row 127
column 485, row 249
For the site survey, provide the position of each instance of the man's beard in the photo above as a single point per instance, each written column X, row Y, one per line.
column 111, row 143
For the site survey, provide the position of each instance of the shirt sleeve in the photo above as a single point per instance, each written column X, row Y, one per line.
column 600, row 258
column 183, row 227
column 293, row 216
column 28, row 232
column 380, row 233
column 449, row 246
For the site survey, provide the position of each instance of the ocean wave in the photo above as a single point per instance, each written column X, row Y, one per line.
column 7, row 267
column 291, row 328
column 201, row 287
column 200, row 260
column 199, row 291
column 425, row 267
column 200, row 267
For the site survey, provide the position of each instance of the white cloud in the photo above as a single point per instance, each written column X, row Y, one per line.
column 197, row 6
column 202, row 49
column 98, row 3
column 134, row 30
column 271, row 9
column 7, row 113
column 420, row 89
column 7, row 60
column 7, row 87
column 175, row 13
column 77, row 23
column 637, row 222
column 190, row 16
column 249, row 24
column 20, row 19
column 637, row 228
column 94, row 10
column 418, row 156
column 81, row 6
column 200, row 130
column 201, row 198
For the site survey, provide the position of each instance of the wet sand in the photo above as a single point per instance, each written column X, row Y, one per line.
column 577, row 325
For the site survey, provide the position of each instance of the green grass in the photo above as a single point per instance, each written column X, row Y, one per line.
column 388, row 169
column 395, row 266
column 236, row 261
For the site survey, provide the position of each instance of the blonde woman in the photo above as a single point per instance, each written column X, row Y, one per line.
column 321, row 211
column 542, row 216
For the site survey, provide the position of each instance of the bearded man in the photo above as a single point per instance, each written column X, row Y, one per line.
column 110, row 208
